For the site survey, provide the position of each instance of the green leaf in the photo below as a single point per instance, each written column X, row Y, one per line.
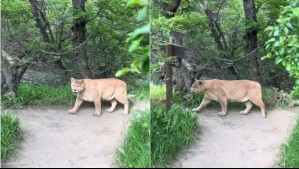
column 145, row 125
column 276, row 33
column 142, row 14
column 143, row 30
column 282, row 51
column 122, row 72
column 271, row 40
column 289, row 67
column 286, row 30
column 135, row 43
column 289, row 25
column 287, row 144
column 137, row 2
column 276, row 44
column 122, row 151
column 270, row 28
column 278, row 60
column 296, row 11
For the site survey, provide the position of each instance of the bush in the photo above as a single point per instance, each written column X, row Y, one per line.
column 290, row 153
column 170, row 132
column 135, row 151
column 10, row 133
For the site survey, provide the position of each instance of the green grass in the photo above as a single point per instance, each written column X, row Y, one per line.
column 158, row 93
column 141, row 91
column 31, row 94
column 290, row 150
column 10, row 134
column 170, row 133
column 135, row 151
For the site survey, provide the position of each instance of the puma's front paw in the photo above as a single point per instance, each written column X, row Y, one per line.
column 243, row 112
column 72, row 111
column 222, row 113
column 97, row 114
column 109, row 110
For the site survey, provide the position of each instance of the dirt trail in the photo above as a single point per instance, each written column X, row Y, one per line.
column 237, row 140
column 53, row 138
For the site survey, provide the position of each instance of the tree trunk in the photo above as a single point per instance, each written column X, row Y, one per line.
column 11, row 73
column 79, row 37
column 250, row 38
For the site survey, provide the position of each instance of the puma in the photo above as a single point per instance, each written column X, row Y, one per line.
column 95, row 90
column 222, row 91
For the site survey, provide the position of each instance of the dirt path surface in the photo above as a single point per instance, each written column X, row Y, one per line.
column 237, row 140
column 53, row 138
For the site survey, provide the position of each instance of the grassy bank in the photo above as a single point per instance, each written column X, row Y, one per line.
column 290, row 150
column 170, row 133
column 31, row 94
column 135, row 151
column 10, row 134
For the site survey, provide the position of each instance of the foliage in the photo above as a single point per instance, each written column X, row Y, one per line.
column 139, row 40
column 107, row 25
column 202, row 52
column 31, row 94
column 283, row 43
column 135, row 151
column 171, row 132
column 140, row 92
column 290, row 153
column 10, row 134
column 17, row 23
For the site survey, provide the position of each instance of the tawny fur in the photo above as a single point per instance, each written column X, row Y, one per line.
column 229, row 90
column 95, row 90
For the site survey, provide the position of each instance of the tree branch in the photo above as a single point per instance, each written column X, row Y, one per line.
column 170, row 9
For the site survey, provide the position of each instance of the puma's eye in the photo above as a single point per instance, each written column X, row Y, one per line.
column 78, row 86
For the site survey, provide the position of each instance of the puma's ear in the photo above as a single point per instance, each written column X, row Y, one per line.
column 200, row 82
column 81, row 81
column 72, row 79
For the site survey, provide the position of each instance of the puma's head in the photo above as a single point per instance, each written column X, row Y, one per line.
column 197, row 87
column 77, row 85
